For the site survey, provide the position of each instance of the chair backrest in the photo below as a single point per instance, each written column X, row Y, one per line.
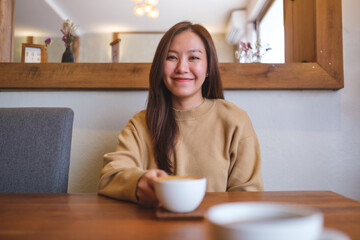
column 35, row 145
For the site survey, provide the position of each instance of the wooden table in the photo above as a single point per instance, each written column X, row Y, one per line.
column 90, row 216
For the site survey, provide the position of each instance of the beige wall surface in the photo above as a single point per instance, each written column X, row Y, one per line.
column 309, row 139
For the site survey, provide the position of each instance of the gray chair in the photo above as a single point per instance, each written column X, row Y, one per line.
column 35, row 145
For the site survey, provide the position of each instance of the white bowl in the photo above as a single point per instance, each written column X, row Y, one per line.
column 180, row 194
column 263, row 221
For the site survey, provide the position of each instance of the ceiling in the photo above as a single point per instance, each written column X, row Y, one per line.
column 45, row 17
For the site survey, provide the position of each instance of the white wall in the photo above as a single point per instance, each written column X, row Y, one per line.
column 133, row 47
column 310, row 140
column 137, row 47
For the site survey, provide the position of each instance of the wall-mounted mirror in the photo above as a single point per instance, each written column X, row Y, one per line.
column 314, row 62
column 229, row 22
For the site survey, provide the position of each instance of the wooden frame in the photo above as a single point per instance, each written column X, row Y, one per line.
column 7, row 16
column 325, row 73
column 33, row 53
column 300, row 31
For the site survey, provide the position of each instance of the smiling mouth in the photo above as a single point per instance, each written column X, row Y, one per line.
column 182, row 79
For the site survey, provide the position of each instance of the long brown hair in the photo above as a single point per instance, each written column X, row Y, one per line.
column 160, row 116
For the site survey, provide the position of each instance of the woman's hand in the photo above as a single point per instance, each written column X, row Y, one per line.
column 145, row 191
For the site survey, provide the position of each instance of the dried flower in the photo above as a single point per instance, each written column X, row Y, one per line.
column 249, row 45
column 48, row 42
column 251, row 53
column 68, row 30
column 243, row 46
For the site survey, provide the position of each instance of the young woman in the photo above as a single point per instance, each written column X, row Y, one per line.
column 188, row 129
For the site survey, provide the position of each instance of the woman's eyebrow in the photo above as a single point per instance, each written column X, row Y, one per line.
column 195, row 50
column 190, row 51
column 173, row 51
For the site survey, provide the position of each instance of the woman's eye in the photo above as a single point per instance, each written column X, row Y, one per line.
column 171, row 58
column 194, row 58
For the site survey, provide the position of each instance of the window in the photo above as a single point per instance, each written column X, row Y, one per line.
column 271, row 32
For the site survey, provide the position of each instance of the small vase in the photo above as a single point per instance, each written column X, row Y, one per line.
column 68, row 55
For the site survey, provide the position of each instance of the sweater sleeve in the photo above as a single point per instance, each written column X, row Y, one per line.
column 245, row 163
column 123, row 168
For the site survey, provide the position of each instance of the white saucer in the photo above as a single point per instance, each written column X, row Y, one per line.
column 259, row 220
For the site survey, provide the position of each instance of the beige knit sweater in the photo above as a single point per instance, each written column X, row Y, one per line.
column 216, row 141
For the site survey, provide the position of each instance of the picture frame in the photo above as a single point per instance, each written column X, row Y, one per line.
column 33, row 53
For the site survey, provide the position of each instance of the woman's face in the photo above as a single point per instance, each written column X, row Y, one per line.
column 185, row 70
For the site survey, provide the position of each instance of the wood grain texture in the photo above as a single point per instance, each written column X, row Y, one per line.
column 122, row 76
column 300, row 35
column 163, row 214
column 7, row 13
column 329, row 38
column 90, row 216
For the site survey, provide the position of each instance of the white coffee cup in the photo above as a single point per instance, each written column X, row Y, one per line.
column 180, row 194
column 263, row 221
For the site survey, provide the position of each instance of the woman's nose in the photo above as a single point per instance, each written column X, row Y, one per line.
column 182, row 66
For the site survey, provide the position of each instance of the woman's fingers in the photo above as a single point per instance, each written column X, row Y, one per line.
column 145, row 187
column 155, row 173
